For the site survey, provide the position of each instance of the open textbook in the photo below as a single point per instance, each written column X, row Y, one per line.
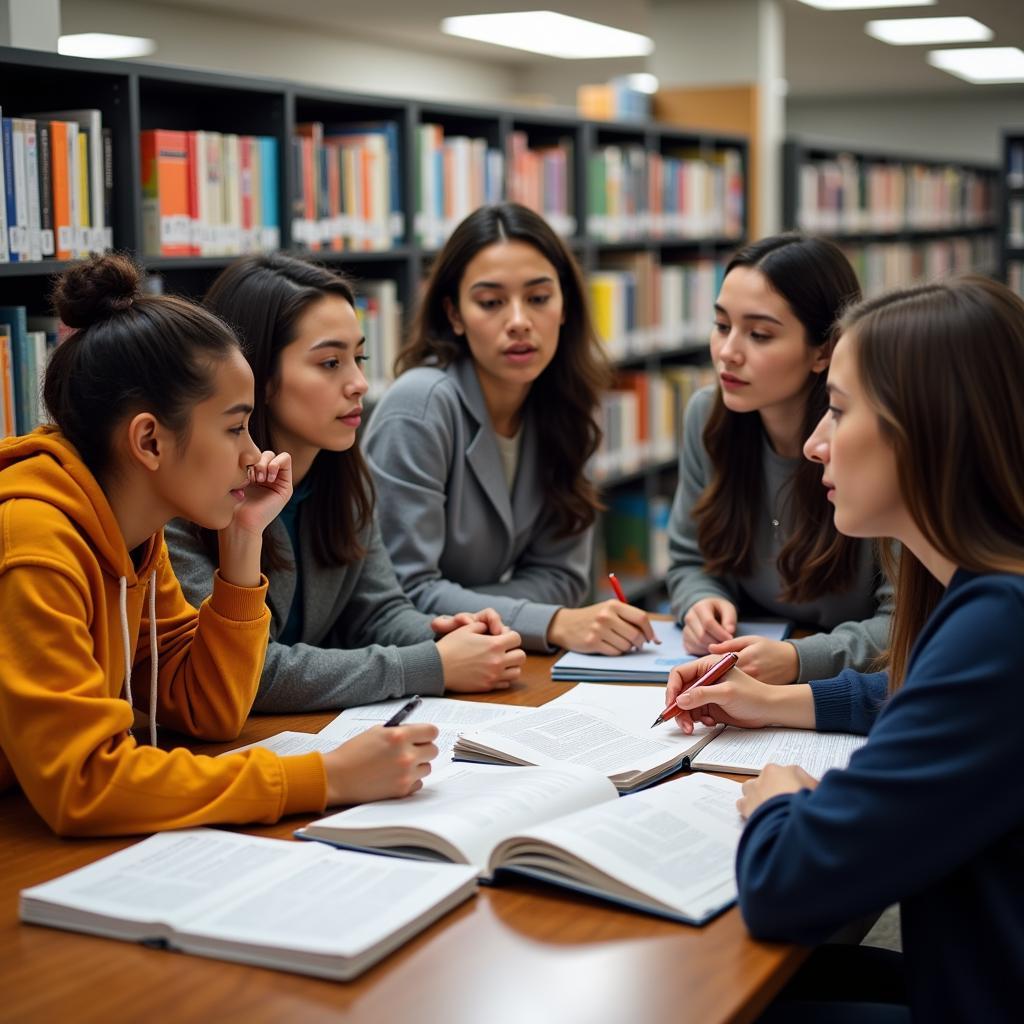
column 726, row 749
column 269, row 902
column 668, row 851
column 652, row 663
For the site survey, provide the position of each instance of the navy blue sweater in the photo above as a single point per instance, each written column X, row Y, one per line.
column 930, row 813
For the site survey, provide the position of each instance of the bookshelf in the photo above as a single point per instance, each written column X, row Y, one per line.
column 663, row 250
column 900, row 218
column 1011, row 233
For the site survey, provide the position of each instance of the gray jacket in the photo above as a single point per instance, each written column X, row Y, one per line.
column 362, row 640
column 458, row 539
column 855, row 623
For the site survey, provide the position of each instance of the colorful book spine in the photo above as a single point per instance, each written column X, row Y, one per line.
column 166, row 213
column 540, row 177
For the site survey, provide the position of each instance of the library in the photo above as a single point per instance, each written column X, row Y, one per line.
column 658, row 144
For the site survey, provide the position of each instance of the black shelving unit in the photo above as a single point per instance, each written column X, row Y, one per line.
column 135, row 97
column 1011, row 233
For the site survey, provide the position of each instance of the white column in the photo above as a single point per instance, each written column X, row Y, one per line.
column 706, row 43
column 30, row 24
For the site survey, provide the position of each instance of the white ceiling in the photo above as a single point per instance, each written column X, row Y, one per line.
column 827, row 53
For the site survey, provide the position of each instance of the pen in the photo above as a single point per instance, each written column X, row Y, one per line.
column 617, row 587
column 404, row 712
column 712, row 675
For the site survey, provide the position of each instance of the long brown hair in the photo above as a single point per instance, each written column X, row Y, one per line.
column 817, row 281
column 564, row 398
column 263, row 298
column 943, row 366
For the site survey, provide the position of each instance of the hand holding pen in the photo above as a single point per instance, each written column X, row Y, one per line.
column 706, row 678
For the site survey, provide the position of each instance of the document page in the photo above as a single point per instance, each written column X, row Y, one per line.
column 747, row 751
column 436, row 710
column 563, row 735
column 472, row 808
column 674, row 845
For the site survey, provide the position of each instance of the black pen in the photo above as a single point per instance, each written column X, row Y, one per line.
column 404, row 712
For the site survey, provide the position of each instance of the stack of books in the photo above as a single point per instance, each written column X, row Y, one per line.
column 540, row 177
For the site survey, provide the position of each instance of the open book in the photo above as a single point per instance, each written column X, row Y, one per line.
column 726, row 749
column 668, row 851
column 653, row 662
column 269, row 902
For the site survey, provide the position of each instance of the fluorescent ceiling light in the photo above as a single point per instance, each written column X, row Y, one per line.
column 981, row 64
column 918, row 31
column 104, row 45
column 863, row 5
column 554, row 35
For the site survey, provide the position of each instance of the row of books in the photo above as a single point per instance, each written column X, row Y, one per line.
column 1015, row 225
column 56, row 181
column 541, row 178
column 854, row 195
column 634, row 193
column 25, row 343
column 885, row 265
column 641, row 305
column 347, row 186
column 208, row 193
column 641, row 417
column 455, row 174
column 635, row 528
column 380, row 316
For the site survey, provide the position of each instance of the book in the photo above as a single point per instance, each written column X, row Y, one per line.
column 652, row 663
column 722, row 749
column 166, row 193
column 23, row 370
column 668, row 851
column 269, row 902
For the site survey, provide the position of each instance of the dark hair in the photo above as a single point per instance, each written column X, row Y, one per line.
column 263, row 298
column 817, row 281
column 565, row 397
column 943, row 366
column 129, row 353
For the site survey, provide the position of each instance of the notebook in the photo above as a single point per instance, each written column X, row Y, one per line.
column 653, row 662
column 270, row 902
column 668, row 851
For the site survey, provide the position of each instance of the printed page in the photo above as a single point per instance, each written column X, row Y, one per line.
column 337, row 901
column 570, row 735
column 749, row 750
column 438, row 711
column 658, row 658
column 472, row 807
column 674, row 844
column 634, row 708
column 170, row 877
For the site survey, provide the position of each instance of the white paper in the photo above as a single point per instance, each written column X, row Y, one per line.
column 436, row 710
column 749, row 750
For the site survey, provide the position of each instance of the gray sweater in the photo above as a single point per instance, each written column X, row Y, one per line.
column 854, row 623
column 459, row 538
column 362, row 640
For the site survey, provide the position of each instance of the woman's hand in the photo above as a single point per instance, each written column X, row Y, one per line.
column 380, row 763
column 442, row 625
column 771, row 661
column 774, row 780
column 611, row 627
column 736, row 699
column 270, row 487
column 476, row 661
column 711, row 620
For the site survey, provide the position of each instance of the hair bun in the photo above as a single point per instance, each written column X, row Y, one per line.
column 96, row 289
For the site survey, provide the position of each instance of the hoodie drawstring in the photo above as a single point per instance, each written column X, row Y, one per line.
column 126, row 642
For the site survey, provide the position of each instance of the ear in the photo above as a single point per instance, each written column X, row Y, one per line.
column 148, row 441
column 453, row 317
column 822, row 358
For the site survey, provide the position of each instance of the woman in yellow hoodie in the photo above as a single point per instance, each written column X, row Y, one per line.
column 150, row 399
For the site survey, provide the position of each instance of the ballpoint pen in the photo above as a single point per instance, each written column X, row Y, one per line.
column 712, row 675
column 404, row 712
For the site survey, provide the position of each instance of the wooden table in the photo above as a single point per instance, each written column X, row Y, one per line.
column 522, row 954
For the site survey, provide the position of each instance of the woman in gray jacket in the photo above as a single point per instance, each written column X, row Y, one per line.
column 342, row 631
column 479, row 449
column 751, row 529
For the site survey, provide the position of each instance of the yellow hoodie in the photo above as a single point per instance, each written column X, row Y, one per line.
column 65, row 728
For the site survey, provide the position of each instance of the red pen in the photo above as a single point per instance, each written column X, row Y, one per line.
column 712, row 675
column 617, row 587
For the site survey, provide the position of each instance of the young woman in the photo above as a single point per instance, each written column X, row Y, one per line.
column 923, row 443
column 150, row 398
column 479, row 449
column 750, row 531
column 342, row 631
